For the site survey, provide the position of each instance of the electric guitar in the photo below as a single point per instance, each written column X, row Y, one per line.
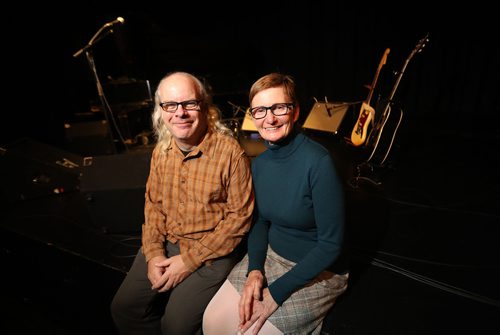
column 367, row 113
column 383, row 134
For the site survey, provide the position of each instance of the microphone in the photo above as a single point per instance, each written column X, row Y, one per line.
column 119, row 20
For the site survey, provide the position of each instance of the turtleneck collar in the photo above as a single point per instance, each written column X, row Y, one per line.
column 287, row 145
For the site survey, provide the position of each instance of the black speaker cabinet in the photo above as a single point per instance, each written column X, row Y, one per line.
column 89, row 138
column 30, row 169
column 134, row 121
column 114, row 188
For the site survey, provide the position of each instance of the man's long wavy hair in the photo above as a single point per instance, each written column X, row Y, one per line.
column 207, row 108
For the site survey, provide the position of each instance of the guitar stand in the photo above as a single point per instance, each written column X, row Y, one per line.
column 365, row 172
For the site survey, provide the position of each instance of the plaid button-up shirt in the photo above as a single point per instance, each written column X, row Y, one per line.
column 203, row 200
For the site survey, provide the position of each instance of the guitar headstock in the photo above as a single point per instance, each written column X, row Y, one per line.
column 420, row 45
column 384, row 57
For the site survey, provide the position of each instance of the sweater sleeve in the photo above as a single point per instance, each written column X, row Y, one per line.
column 257, row 243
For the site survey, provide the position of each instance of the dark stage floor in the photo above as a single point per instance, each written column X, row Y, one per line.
column 424, row 236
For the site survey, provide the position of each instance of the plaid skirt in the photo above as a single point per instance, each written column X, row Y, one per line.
column 303, row 312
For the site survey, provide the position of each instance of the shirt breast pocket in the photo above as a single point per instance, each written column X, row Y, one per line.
column 209, row 191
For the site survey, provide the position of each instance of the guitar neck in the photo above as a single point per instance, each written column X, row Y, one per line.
column 418, row 48
column 383, row 60
column 398, row 80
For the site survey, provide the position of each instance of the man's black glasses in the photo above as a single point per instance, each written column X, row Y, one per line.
column 171, row 106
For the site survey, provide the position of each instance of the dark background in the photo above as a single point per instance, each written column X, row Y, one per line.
column 424, row 240
column 331, row 47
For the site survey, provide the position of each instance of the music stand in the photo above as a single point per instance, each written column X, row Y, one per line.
column 326, row 116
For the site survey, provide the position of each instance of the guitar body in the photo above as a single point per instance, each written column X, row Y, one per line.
column 383, row 135
column 367, row 113
column 360, row 130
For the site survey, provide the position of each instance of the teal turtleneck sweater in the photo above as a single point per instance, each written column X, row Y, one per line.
column 299, row 212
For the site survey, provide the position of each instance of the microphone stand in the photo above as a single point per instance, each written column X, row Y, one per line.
column 90, row 59
column 94, row 40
